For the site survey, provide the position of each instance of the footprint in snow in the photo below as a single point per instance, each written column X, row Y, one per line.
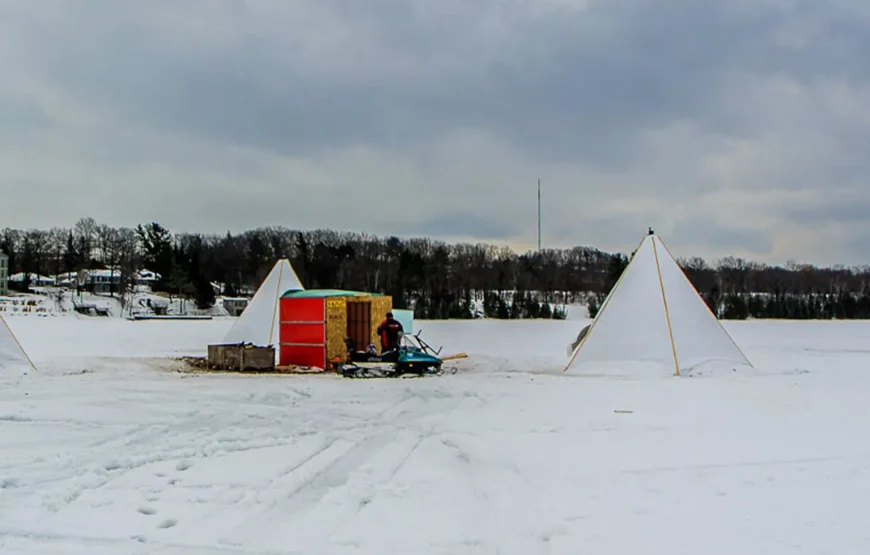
column 168, row 523
column 148, row 510
column 183, row 465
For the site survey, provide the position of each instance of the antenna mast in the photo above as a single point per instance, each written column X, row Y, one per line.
column 539, row 214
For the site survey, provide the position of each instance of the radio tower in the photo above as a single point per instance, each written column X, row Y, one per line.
column 539, row 214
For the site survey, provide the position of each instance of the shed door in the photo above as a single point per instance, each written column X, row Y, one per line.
column 359, row 323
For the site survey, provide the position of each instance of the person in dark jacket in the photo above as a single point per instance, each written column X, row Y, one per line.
column 390, row 331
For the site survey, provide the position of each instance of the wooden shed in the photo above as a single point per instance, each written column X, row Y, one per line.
column 315, row 323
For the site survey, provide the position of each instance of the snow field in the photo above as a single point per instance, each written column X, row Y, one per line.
column 109, row 449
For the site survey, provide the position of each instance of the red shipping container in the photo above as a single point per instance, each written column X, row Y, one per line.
column 303, row 332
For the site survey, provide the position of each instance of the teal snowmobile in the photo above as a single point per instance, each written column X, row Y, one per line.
column 408, row 359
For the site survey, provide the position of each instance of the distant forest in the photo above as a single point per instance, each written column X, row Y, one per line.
column 437, row 279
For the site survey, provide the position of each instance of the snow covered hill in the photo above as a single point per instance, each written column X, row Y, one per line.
column 108, row 449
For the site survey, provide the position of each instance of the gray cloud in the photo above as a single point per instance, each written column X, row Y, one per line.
column 726, row 238
column 459, row 225
column 843, row 207
column 722, row 124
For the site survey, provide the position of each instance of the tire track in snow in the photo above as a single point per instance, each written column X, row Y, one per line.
column 186, row 434
column 82, row 471
column 55, row 483
column 66, row 480
column 336, row 472
column 347, row 489
column 334, row 446
column 329, row 471
column 745, row 464
column 490, row 524
column 48, row 542
column 312, row 480
column 84, row 460
column 85, row 470
column 76, row 477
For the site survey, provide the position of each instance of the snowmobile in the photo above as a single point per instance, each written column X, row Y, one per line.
column 409, row 359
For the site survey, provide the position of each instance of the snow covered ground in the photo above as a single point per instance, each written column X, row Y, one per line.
column 109, row 449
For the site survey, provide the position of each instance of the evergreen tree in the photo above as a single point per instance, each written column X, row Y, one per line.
column 593, row 304
column 546, row 311
column 71, row 256
column 714, row 299
column 157, row 252
column 502, row 311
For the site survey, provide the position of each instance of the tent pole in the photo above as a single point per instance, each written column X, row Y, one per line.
column 713, row 314
column 275, row 306
column 667, row 313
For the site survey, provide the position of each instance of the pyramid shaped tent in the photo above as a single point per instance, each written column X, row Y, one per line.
column 11, row 352
column 655, row 314
column 259, row 322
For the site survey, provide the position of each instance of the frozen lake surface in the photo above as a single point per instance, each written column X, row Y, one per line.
column 110, row 449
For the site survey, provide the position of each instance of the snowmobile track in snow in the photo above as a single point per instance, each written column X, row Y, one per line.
column 330, row 485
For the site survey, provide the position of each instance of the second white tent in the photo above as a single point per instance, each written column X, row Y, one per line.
column 655, row 314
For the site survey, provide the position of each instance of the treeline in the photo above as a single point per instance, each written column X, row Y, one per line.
column 737, row 289
column 438, row 280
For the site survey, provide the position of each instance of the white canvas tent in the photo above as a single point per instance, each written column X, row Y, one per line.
column 654, row 314
column 259, row 322
column 11, row 352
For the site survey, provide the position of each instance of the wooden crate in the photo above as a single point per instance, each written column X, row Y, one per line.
column 240, row 357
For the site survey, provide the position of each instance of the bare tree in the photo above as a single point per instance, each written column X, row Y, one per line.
column 56, row 242
column 85, row 232
column 125, row 249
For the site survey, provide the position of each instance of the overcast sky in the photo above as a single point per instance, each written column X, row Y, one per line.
column 733, row 127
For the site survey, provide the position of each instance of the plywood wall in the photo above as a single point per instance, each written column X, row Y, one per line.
column 336, row 328
column 380, row 307
column 336, row 323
